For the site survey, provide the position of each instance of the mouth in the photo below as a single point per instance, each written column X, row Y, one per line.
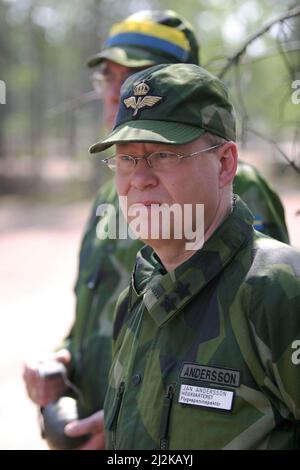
column 146, row 203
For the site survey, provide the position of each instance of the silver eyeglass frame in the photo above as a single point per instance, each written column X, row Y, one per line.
column 107, row 161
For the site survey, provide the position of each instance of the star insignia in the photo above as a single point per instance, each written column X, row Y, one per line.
column 168, row 303
column 182, row 290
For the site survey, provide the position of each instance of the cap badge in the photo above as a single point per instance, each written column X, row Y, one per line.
column 140, row 100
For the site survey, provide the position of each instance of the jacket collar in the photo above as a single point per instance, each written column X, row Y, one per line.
column 164, row 294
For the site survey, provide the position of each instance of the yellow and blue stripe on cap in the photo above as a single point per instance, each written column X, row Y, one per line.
column 152, row 35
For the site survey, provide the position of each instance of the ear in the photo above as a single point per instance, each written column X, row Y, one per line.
column 228, row 163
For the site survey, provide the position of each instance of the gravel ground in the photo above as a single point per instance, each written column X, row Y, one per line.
column 38, row 253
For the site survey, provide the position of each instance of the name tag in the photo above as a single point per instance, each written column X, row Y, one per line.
column 206, row 397
column 216, row 375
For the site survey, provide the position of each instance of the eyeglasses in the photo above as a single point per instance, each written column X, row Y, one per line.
column 103, row 80
column 159, row 161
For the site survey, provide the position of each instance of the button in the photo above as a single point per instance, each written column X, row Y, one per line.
column 136, row 379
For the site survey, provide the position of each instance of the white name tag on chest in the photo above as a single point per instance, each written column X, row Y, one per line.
column 206, row 397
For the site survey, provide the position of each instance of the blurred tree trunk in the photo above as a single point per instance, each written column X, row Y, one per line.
column 37, row 93
column 4, row 74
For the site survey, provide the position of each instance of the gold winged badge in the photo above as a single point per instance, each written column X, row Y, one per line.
column 140, row 101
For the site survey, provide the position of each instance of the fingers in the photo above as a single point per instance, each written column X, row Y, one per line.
column 91, row 425
column 96, row 442
column 63, row 355
column 41, row 390
column 49, row 390
column 46, row 391
column 30, row 378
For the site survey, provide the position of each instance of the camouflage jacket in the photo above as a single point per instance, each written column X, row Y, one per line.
column 262, row 200
column 203, row 356
column 104, row 271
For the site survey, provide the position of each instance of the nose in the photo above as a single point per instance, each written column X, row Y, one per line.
column 142, row 176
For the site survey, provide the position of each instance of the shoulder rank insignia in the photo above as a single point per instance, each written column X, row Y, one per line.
column 139, row 100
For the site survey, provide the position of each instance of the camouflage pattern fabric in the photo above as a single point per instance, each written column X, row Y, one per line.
column 262, row 200
column 171, row 104
column 104, row 271
column 203, row 356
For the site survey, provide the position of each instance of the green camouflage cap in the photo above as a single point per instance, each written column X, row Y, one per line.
column 148, row 38
column 171, row 104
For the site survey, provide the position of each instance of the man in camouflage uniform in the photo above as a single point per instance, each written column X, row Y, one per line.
column 206, row 343
column 142, row 40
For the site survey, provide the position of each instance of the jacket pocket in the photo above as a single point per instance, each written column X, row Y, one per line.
column 113, row 419
column 165, row 417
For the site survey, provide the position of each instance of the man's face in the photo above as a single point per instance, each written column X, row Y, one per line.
column 193, row 180
column 113, row 76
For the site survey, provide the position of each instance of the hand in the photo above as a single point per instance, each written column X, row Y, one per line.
column 40, row 390
column 93, row 425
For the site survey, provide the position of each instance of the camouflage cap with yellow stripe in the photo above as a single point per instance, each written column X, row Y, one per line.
column 171, row 104
column 148, row 38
